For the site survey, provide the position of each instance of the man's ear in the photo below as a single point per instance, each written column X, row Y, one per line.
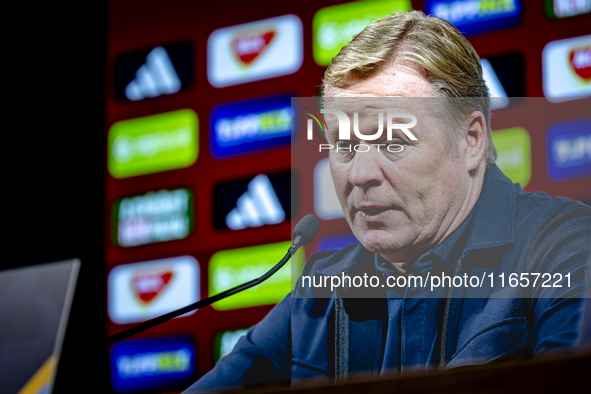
column 475, row 141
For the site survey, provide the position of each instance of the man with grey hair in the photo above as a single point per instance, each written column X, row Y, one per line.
column 440, row 206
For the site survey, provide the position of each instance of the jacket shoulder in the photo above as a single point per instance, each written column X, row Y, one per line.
column 542, row 209
column 554, row 232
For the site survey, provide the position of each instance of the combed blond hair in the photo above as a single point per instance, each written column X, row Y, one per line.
column 430, row 45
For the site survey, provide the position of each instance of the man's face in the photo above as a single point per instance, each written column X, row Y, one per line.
column 397, row 204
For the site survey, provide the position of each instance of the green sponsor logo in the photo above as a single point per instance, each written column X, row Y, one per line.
column 335, row 26
column 557, row 9
column 153, row 143
column 514, row 154
column 230, row 268
column 153, row 217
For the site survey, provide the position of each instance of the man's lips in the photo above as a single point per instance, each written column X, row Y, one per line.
column 374, row 212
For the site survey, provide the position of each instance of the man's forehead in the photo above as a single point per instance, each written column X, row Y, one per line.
column 369, row 104
column 395, row 80
column 367, row 109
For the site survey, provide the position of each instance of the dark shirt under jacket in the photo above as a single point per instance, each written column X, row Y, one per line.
column 314, row 334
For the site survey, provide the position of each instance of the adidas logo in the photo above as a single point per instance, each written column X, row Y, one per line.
column 498, row 96
column 257, row 207
column 154, row 78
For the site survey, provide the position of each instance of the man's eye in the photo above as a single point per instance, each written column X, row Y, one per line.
column 396, row 141
column 344, row 144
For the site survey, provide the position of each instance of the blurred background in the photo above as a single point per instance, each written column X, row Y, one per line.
column 154, row 126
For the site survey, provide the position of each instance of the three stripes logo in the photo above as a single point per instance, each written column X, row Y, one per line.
column 258, row 206
column 157, row 76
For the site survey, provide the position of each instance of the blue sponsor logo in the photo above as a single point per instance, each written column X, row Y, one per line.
column 569, row 149
column 477, row 16
column 248, row 126
column 336, row 242
column 160, row 363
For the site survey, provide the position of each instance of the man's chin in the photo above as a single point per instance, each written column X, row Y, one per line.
column 381, row 241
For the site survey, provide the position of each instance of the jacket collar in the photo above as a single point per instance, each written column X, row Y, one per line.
column 492, row 226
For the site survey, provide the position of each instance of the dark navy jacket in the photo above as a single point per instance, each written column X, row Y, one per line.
column 509, row 231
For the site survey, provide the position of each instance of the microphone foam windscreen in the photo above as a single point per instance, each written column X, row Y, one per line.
column 307, row 228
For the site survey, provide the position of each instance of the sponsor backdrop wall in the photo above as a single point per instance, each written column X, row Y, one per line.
column 198, row 171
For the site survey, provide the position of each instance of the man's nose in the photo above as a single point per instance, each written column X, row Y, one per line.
column 365, row 170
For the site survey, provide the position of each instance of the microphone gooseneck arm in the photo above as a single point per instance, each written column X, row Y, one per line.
column 303, row 234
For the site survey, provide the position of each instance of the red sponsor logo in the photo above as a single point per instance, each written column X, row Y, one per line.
column 580, row 61
column 147, row 286
column 248, row 47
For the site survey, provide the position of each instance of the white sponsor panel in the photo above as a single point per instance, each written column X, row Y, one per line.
column 254, row 51
column 141, row 291
column 326, row 202
column 566, row 66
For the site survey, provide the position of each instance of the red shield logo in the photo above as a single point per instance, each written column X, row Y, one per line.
column 147, row 286
column 248, row 47
column 580, row 61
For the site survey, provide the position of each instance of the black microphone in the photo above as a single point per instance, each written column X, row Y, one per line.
column 303, row 233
